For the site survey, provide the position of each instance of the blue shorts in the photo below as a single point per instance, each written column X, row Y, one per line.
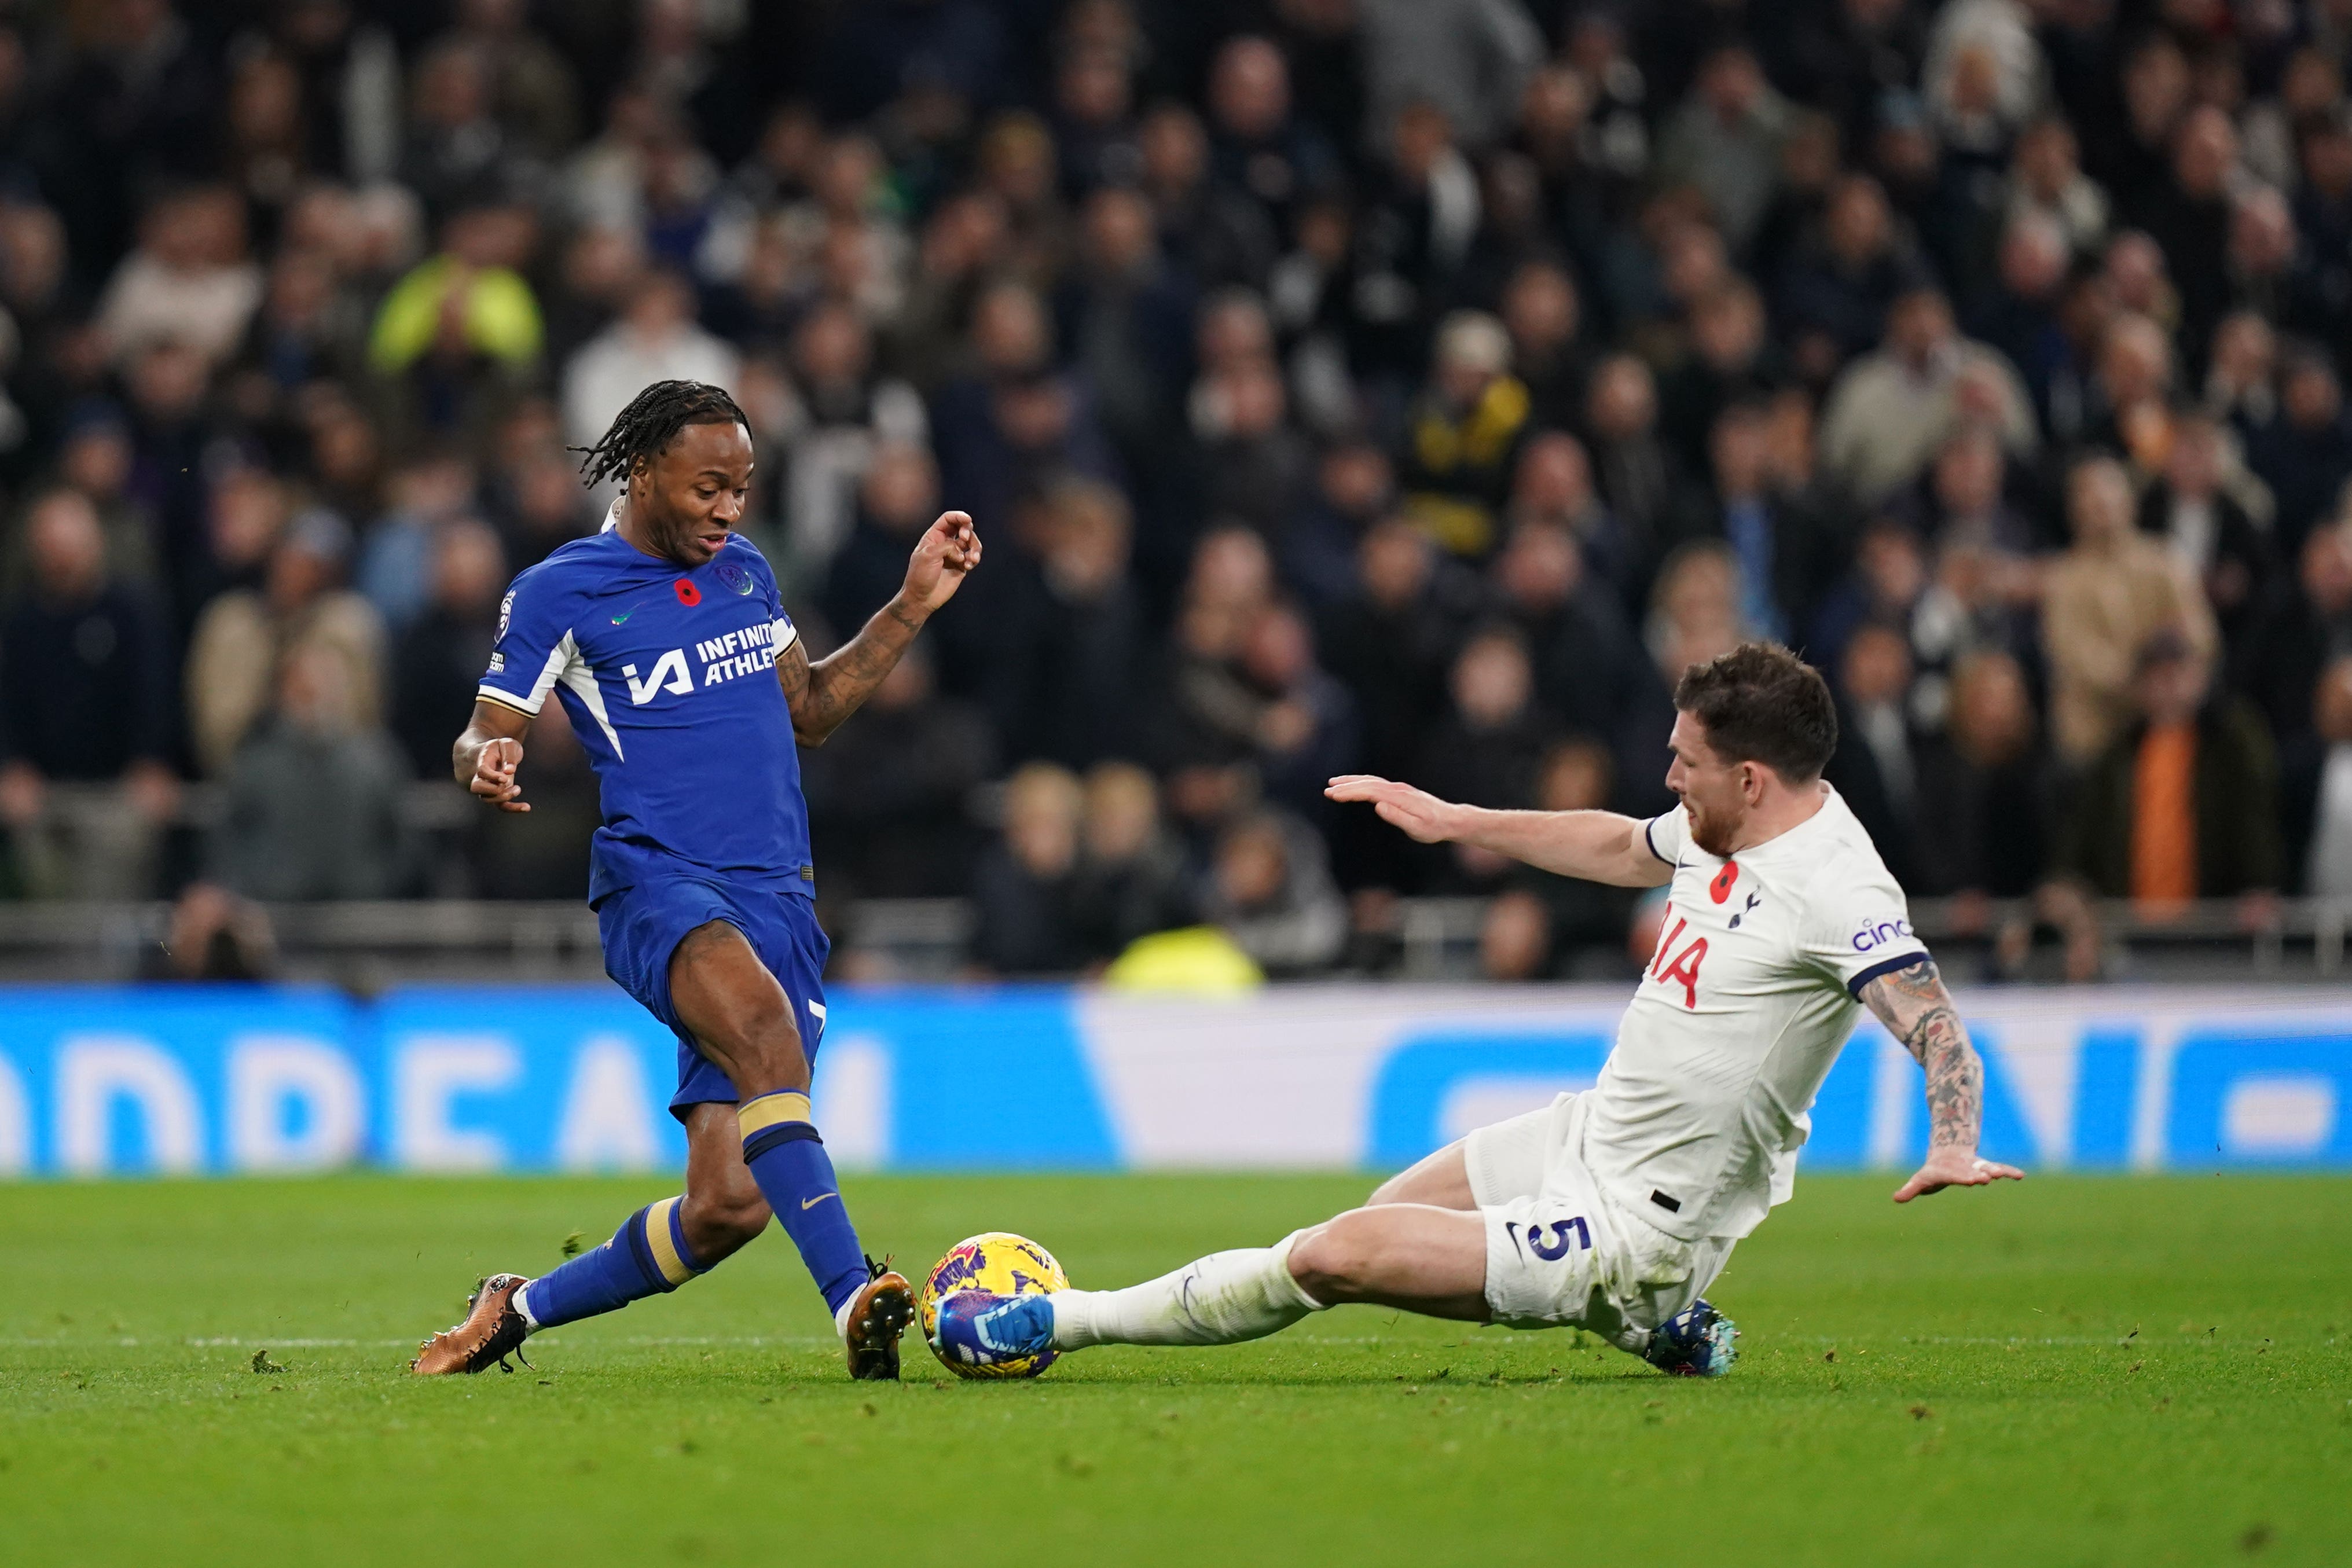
column 642, row 925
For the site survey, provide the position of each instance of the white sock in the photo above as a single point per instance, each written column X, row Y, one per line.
column 1222, row 1299
column 522, row 1305
column 841, row 1319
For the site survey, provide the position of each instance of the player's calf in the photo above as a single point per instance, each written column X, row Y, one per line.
column 649, row 1255
column 719, row 1225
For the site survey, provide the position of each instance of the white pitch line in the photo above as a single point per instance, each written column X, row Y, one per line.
column 755, row 1341
column 2115, row 1341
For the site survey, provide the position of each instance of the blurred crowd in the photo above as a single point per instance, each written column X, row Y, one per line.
column 1404, row 386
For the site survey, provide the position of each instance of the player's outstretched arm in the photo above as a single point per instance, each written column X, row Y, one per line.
column 1917, row 1010
column 823, row 694
column 1598, row 846
column 487, row 755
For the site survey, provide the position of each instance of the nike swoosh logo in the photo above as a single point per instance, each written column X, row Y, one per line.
column 809, row 1203
column 623, row 615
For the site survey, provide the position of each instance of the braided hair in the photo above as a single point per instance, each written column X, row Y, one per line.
column 652, row 419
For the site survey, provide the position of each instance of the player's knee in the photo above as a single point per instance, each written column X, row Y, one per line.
column 766, row 1055
column 739, row 1014
column 1331, row 1261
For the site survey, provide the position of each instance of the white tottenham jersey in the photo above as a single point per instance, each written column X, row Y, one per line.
column 1700, row 1109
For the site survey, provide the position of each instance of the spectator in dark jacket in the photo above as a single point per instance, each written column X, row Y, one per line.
column 1026, row 886
column 88, row 687
column 1128, row 317
column 1550, row 352
column 1257, row 147
column 888, row 795
column 1586, row 659
column 2190, row 508
column 1984, row 787
column 1217, row 234
column 1255, row 466
column 1391, row 640
column 1016, row 422
column 442, row 656
column 541, row 855
column 896, row 502
column 1486, row 752
column 172, row 425
column 2310, row 628
column 1837, row 293
column 138, row 107
column 313, row 803
column 1553, row 488
column 2020, row 314
column 985, row 641
column 1877, row 766
column 1270, row 887
column 1788, row 553
column 85, row 698
column 1317, row 546
column 2189, row 215
column 1962, row 502
column 2323, row 218
column 1206, row 714
column 1132, row 880
column 1307, row 731
column 2184, row 804
column 1730, row 361
column 1645, row 486
column 2306, row 454
column 1559, row 928
column 1389, row 643
column 1093, row 647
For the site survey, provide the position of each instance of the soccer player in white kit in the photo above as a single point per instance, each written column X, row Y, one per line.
column 1615, row 1208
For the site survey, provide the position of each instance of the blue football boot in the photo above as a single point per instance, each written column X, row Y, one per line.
column 977, row 1329
column 1697, row 1341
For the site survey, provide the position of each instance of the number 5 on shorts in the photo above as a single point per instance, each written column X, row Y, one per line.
column 1554, row 1248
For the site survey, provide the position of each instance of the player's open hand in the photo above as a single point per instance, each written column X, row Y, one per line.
column 494, row 774
column 1423, row 817
column 1948, row 1167
column 947, row 552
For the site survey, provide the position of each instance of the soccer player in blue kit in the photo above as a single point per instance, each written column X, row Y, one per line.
column 666, row 641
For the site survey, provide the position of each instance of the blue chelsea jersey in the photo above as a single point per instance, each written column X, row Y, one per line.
column 669, row 676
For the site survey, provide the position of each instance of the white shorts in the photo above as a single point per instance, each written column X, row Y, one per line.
column 1559, row 1251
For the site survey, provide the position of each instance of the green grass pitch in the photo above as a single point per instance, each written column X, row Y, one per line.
column 2075, row 1371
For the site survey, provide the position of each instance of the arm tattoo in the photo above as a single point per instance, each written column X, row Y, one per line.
column 1917, row 1011
column 823, row 694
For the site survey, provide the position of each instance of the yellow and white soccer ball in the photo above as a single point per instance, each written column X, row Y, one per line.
column 1002, row 1264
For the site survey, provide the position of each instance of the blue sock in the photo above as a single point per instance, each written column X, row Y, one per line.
column 647, row 1255
column 795, row 1175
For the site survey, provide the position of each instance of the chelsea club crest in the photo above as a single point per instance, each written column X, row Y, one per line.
column 734, row 577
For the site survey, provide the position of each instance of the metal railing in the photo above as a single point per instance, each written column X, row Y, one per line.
column 363, row 945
